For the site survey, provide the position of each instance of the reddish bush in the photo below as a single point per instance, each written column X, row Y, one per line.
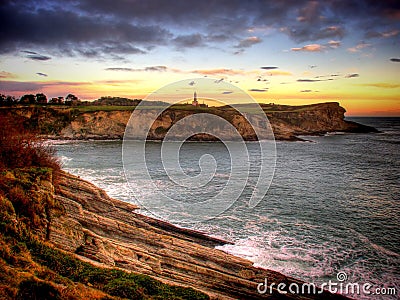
column 21, row 148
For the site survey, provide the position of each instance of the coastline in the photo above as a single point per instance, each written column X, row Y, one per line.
column 287, row 122
column 109, row 233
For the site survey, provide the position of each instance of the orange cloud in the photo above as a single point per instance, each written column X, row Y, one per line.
column 4, row 74
column 219, row 72
column 334, row 44
column 358, row 47
column 248, row 42
column 310, row 48
column 226, row 72
column 383, row 85
column 278, row 73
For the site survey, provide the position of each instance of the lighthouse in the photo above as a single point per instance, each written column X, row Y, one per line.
column 195, row 102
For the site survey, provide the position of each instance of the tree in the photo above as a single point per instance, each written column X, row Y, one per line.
column 28, row 99
column 41, row 98
column 7, row 100
column 71, row 99
column 10, row 100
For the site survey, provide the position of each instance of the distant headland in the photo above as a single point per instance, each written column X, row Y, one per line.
column 106, row 118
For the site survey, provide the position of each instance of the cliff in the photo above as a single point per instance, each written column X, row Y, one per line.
column 287, row 122
column 107, row 231
column 100, row 238
column 316, row 119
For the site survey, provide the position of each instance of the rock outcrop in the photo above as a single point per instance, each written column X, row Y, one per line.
column 287, row 122
column 313, row 119
column 109, row 233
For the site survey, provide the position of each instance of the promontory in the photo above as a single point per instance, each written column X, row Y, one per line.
column 109, row 122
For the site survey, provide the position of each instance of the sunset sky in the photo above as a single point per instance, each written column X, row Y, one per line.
column 288, row 51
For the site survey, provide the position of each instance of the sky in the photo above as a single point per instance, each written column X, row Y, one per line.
column 289, row 51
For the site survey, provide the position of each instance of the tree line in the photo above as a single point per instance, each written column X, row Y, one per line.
column 69, row 100
column 7, row 100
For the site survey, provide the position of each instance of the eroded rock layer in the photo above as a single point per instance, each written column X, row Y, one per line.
column 108, row 232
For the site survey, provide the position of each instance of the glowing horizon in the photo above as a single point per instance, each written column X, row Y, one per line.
column 287, row 53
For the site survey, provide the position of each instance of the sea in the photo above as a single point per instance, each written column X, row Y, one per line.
column 331, row 213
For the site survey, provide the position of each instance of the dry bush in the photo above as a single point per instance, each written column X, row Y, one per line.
column 20, row 148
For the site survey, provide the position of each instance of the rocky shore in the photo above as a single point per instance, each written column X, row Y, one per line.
column 109, row 233
column 287, row 122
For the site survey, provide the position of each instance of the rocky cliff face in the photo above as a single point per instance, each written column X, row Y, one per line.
column 286, row 124
column 313, row 120
column 109, row 233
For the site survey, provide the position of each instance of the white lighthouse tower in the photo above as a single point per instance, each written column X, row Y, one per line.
column 195, row 102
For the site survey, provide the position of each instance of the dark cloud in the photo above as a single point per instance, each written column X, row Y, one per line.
column 258, row 90
column 69, row 32
column 238, row 52
column 192, row 83
column 353, row 75
column 119, row 69
column 308, row 80
column 262, row 79
column 309, row 33
column 35, row 56
column 153, row 69
column 38, row 57
column 188, row 41
column 382, row 34
column 327, row 77
column 31, row 86
column 268, row 68
column 248, row 42
column 330, row 19
column 146, row 69
column 227, row 92
column 41, row 74
column 98, row 28
column 395, row 59
column 306, row 91
column 219, row 38
column 19, row 86
column 28, row 52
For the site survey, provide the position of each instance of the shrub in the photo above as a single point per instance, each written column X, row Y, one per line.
column 35, row 290
column 160, row 130
column 112, row 281
column 124, row 288
column 23, row 148
column 150, row 285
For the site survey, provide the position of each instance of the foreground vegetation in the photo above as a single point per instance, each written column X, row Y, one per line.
column 30, row 267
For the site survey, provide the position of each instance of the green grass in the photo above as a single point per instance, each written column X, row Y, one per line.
column 34, row 268
column 112, row 281
column 251, row 110
column 91, row 108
